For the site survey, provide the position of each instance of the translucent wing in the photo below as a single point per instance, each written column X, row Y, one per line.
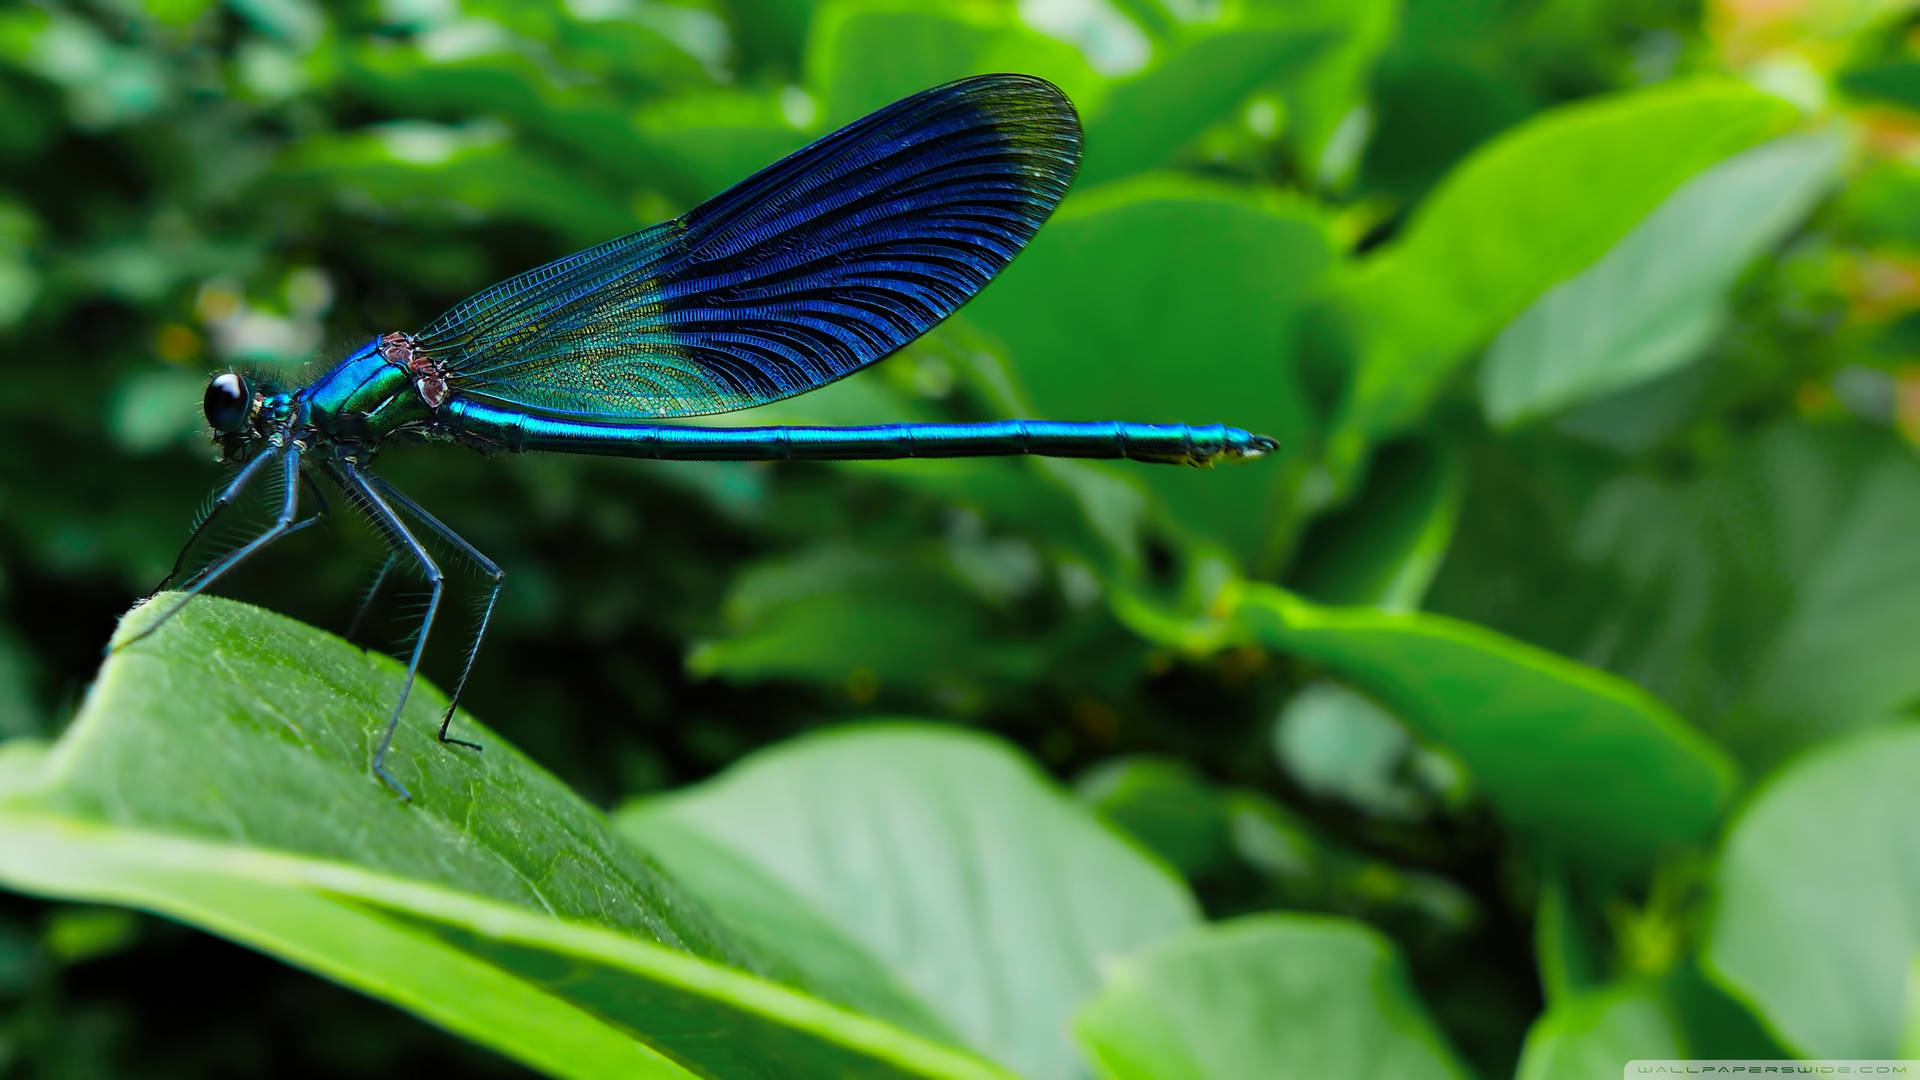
column 804, row 272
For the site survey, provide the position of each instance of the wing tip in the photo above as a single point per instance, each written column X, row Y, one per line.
column 1028, row 104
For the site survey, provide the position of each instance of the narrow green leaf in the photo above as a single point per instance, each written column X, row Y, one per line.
column 1583, row 762
column 988, row 893
column 1896, row 81
column 1273, row 996
column 1198, row 81
column 1383, row 549
column 1567, row 954
column 1477, row 251
column 1817, row 889
column 218, row 773
column 1596, row 1034
column 1656, row 299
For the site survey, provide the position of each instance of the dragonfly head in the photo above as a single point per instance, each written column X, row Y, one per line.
column 243, row 412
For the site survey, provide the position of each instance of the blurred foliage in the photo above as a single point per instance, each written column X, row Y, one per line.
column 1583, row 588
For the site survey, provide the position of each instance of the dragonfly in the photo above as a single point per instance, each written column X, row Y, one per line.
column 809, row 270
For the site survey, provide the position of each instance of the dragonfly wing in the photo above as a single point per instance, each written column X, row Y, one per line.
column 810, row 269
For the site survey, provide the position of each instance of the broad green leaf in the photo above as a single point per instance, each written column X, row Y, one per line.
column 946, row 857
column 1198, row 80
column 1657, row 298
column 1104, row 320
column 1273, row 996
column 1580, row 761
column 1594, row 1035
column 1536, row 205
column 1769, row 598
column 219, row 774
column 1817, row 886
column 1383, row 549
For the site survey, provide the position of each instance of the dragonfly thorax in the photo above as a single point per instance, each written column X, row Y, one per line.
column 383, row 387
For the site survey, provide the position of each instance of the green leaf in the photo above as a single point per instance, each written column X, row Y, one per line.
column 1772, row 597
column 1567, row 954
column 1199, row 80
column 1657, row 298
column 436, row 172
column 1816, row 890
column 986, row 892
column 1596, row 1034
column 867, row 54
column 1580, row 761
column 1165, row 804
column 218, row 773
column 862, row 618
column 1383, row 549
column 1338, row 744
column 1273, row 996
column 1473, row 256
column 1325, row 96
column 1897, row 81
column 1104, row 320
column 702, row 143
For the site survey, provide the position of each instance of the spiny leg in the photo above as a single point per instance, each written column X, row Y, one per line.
column 403, row 541
column 487, row 566
column 320, row 514
column 282, row 525
column 220, row 502
column 366, row 601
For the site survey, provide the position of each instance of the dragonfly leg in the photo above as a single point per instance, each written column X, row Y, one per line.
column 220, row 502
column 403, row 542
column 487, row 566
column 282, row 525
column 366, row 600
column 322, row 509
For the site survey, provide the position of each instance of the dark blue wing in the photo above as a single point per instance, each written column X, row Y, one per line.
column 809, row 270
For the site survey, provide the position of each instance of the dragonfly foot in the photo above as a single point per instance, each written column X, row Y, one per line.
column 446, row 738
column 387, row 779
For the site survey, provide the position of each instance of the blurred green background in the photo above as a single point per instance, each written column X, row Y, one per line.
column 1593, row 322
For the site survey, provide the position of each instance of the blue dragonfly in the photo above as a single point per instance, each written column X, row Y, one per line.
column 805, row 272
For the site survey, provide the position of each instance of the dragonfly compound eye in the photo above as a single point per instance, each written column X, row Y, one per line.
column 228, row 398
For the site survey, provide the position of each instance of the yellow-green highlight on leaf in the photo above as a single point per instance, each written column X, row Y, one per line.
column 1817, row 891
column 218, row 773
column 940, row 856
column 1278, row 997
column 1578, row 760
column 1535, row 206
